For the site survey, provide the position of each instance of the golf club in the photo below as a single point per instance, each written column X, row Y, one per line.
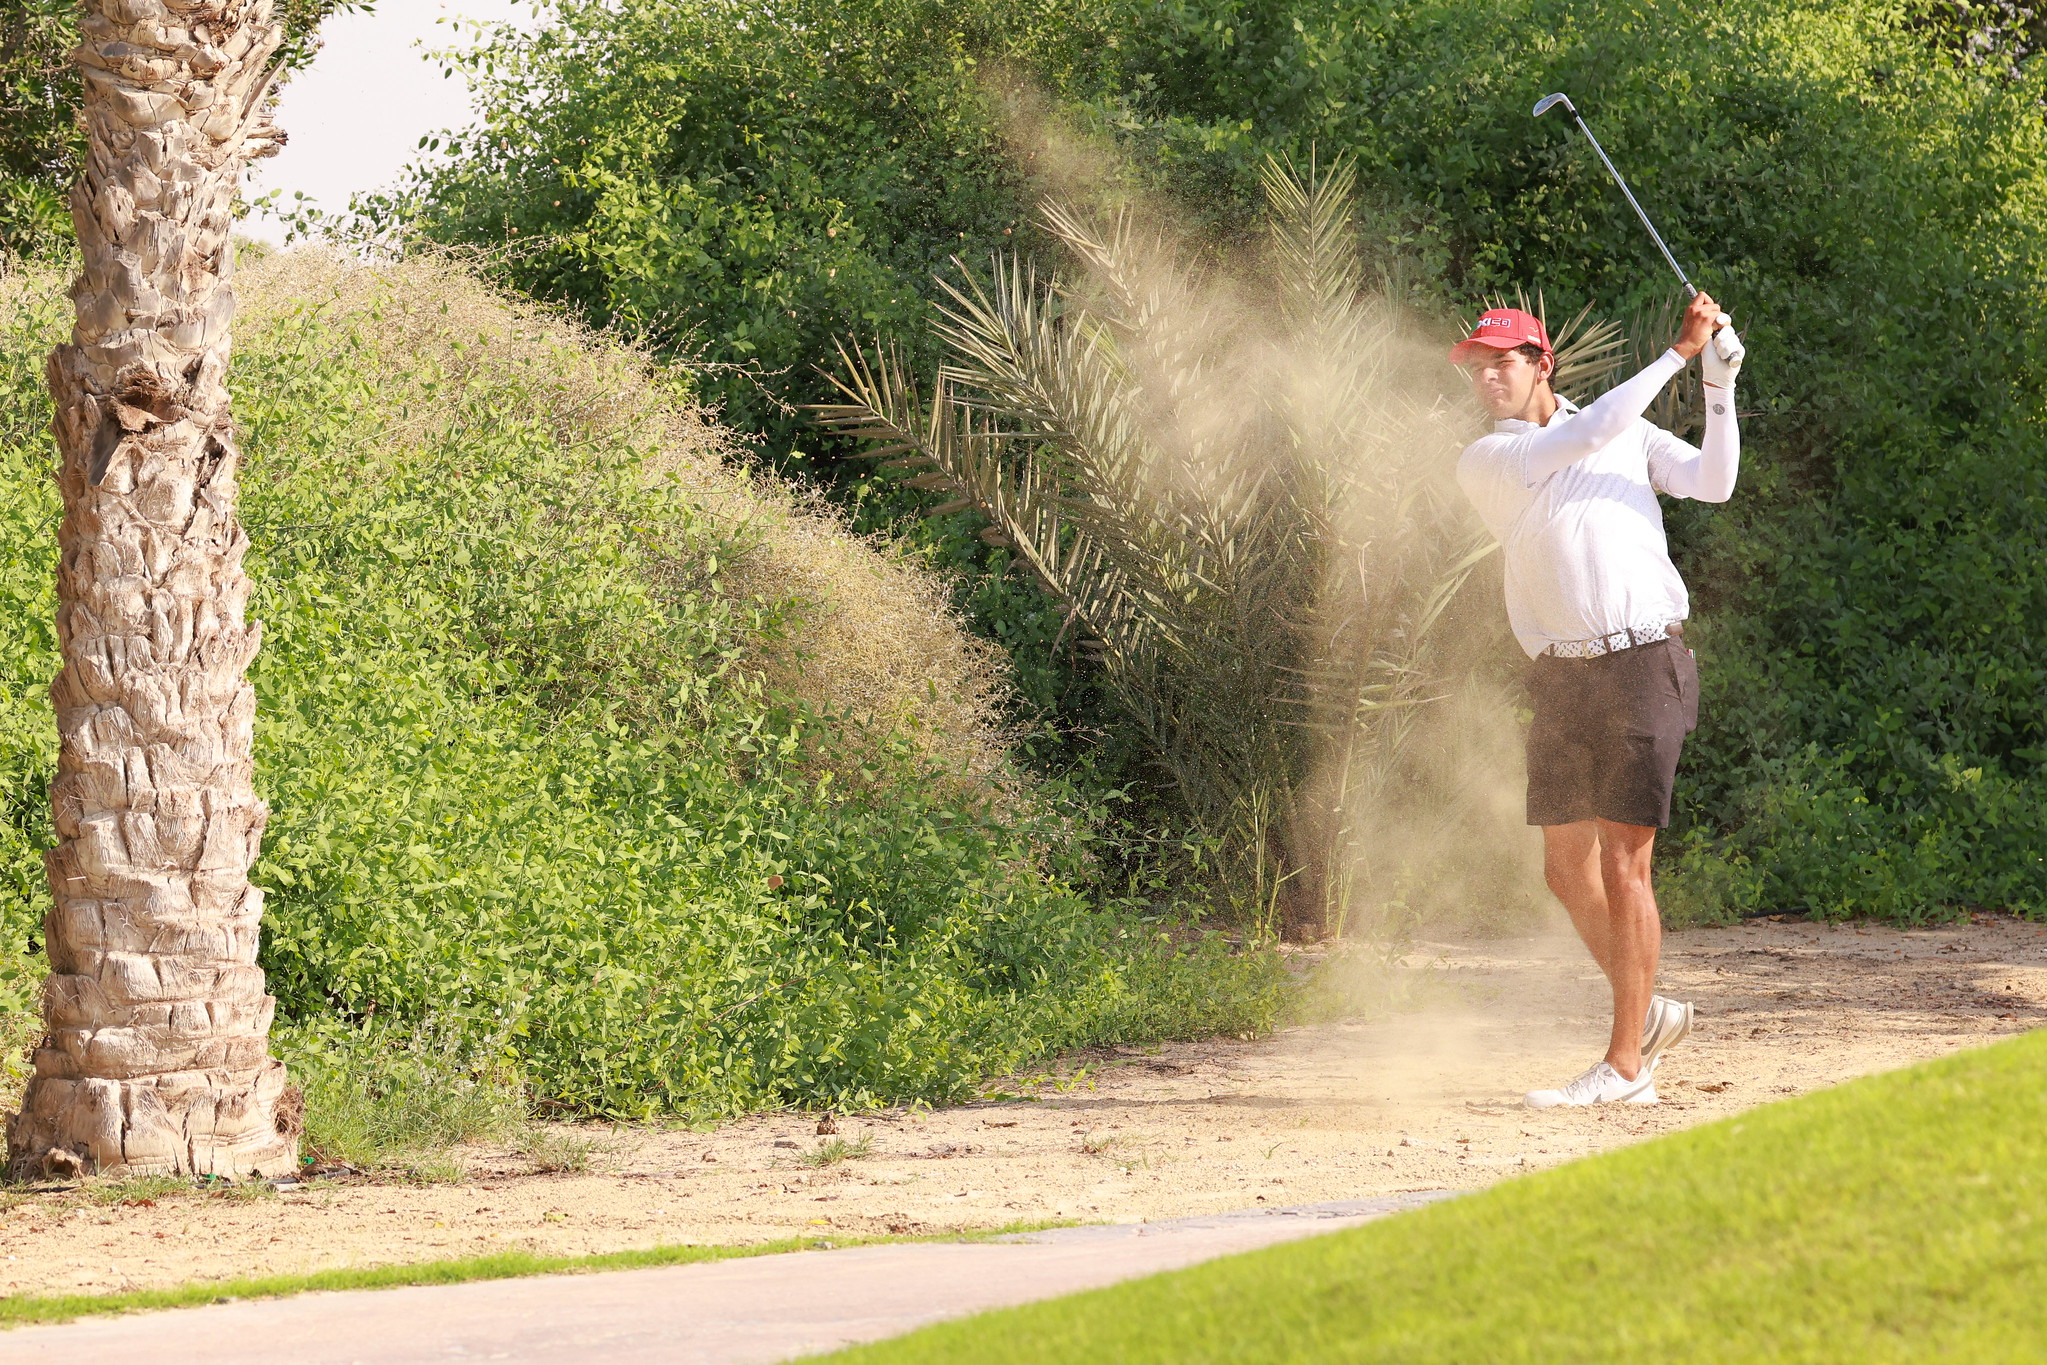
column 1543, row 106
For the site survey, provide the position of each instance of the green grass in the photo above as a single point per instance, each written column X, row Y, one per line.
column 834, row 1150
column 1898, row 1218
column 504, row 1265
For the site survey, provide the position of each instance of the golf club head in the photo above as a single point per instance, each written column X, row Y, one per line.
column 1547, row 102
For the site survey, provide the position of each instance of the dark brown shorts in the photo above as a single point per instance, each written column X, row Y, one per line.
column 1607, row 733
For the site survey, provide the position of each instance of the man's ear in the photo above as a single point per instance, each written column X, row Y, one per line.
column 1546, row 369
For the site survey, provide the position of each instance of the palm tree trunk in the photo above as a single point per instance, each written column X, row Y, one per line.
column 157, row 1056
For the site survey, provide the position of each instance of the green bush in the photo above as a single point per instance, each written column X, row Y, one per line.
column 526, row 782
column 1872, row 206
column 395, row 1095
column 743, row 193
column 739, row 186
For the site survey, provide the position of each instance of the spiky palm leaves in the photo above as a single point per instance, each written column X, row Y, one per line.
column 1235, row 492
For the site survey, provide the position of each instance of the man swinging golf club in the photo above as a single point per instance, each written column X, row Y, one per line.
column 1593, row 598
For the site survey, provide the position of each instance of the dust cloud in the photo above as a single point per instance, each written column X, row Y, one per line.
column 1296, row 432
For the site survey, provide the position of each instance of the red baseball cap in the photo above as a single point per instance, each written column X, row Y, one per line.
column 1502, row 329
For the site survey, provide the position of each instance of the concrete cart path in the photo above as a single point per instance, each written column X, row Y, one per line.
column 760, row 1309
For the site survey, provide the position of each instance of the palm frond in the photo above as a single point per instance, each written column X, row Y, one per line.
column 1313, row 231
column 1225, row 489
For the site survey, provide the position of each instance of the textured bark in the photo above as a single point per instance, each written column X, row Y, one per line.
column 157, row 1055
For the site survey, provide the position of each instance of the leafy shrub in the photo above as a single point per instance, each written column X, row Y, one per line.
column 1876, row 212
column 528, row 777
column 395, row 1095
column 752, row 190
column 38, row 110
column 742, row 186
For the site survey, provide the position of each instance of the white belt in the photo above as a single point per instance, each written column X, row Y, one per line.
column 1616, row 642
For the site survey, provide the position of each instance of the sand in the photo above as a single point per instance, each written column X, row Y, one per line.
column 1425, row 1098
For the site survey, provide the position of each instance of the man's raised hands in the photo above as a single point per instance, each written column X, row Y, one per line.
column 1695, row 329
column 1722, row 359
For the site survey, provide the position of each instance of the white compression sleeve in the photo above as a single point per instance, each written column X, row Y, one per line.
column 1562, row 444
column 1707, row 474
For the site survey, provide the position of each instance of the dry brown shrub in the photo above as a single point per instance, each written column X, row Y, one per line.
column 875, row 643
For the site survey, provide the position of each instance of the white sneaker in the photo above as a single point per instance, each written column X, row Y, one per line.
column 1669, row 1023
column 1601, row 1085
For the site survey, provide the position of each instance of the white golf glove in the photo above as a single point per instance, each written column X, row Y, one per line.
column 1722, row 358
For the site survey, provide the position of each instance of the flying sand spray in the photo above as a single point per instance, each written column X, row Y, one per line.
column 1543, row 106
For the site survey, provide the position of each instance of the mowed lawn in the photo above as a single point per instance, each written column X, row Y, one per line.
column 1898, row 1218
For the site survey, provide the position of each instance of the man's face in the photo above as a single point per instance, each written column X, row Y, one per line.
column 1505, row 381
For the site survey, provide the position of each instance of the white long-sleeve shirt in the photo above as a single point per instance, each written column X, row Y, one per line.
column 1573, row 505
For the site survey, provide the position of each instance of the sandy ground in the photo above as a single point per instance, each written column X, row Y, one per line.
column 1427, row 1098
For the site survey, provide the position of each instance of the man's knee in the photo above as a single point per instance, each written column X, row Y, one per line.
column 1570, row 860
column 1564, row 883
column 1628, row 889
column 1629, row 846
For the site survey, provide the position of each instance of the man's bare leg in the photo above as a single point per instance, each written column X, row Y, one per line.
column 1570, row 864
column 1636, row 936
column 1599, row 869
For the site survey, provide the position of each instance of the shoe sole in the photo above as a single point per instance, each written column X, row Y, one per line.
column 1667, row 1035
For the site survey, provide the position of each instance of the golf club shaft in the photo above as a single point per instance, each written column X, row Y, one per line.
column 1614, row 171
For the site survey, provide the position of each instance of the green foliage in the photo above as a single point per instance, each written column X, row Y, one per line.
column 393, row 1095
column 1999, row 34
column 28, row 735
column 1872, row 208
column 41, row 139
column 525, row 786
column 19, row 1028
column 38, row 120
column 743, row 193
column 1891, row 1219
column 1813, row 838
column 739, row 185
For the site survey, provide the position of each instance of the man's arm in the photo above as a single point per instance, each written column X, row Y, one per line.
column 1562, row 444
column 1708, row 474
column 1539, row 454
column 1688, row 471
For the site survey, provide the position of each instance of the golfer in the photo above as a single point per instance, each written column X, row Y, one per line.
column 1593, row 598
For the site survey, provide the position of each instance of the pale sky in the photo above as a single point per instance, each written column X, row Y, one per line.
column 355, row 116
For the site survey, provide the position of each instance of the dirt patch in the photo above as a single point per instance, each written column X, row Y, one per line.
column 1427, row 1099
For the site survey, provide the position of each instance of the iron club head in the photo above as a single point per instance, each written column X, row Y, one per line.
column 1543, row 105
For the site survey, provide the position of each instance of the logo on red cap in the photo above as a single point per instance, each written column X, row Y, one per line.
column 1502, row 329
